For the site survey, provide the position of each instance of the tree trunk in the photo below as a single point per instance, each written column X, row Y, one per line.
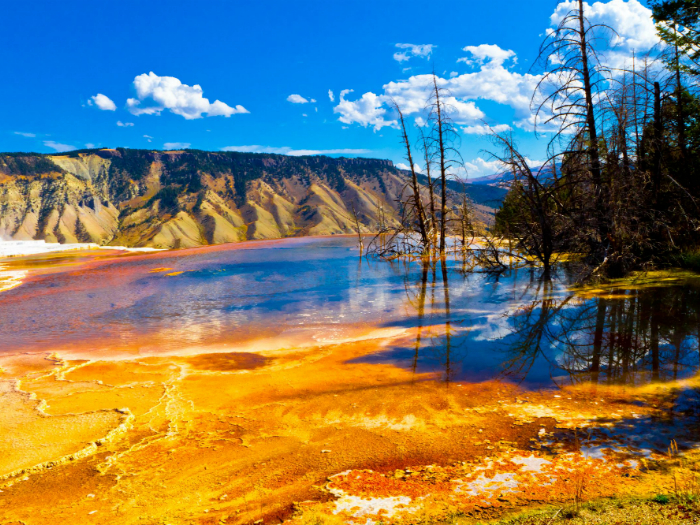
column 658, row 133
column 596, row 170
column 680, row 123
column 443, row 168
column 418, row 201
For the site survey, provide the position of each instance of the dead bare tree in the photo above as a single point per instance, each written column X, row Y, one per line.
column 359, row 230
column 444, row 137
column 567, row 96
column 417, row 202
column 428, row 159
column 536, row 214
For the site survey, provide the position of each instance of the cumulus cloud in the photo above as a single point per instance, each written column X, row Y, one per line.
column 331, row 95
column 413, row 50
column 57, row 146
column 402, row 166
column 631, row 20
column 176, row 145
column 24, row 134
column 102, row 102
column 297, row 99
column 490, row 80
column 488, row 55
column 480, row 167
column 124, row 124
column 366, row 111
column 483, row 129
column 90, row 145
column 633, row 32
column 295, row 152
column 155, row 94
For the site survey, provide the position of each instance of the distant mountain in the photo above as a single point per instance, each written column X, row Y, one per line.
column 481, row 194
column 500, row 180
column 171, row 199
column 504, row 180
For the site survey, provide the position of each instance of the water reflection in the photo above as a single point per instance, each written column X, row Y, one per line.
column 636, row 336
column 519, row 327
column 463, row 325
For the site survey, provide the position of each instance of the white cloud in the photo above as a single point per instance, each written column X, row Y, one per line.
column 413, row 50
column 103, row 102
column 57, row 146
column 90, row 145
column 304, row 115
column 148, row 138
column 366, row 111
column 479, row 166
column 176, row 145
column 490, row 80
column 161, row 93
column 463, row 111
column 483, row 129
column 24, row 134
column 402, row 166
column 487, row 55
column 296, row 99
column 295, row 152
column 331, row 95
column 124, row 124
column 630, row 19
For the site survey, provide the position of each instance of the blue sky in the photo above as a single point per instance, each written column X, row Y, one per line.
column 124, row 73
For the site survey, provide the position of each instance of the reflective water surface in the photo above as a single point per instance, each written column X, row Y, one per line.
column 463, row 326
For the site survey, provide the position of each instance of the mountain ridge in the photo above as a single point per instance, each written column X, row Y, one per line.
column 183, row 198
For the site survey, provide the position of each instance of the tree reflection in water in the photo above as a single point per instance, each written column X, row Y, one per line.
column 628, row 336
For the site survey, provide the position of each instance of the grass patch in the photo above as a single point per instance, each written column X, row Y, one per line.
column 661, row 509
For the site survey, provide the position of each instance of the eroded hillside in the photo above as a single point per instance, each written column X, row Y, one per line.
column 188, row 198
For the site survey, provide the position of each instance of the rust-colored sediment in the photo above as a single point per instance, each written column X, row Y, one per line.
column 238, row 437
column 208, row 435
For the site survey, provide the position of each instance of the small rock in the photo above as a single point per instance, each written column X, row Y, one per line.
column 90, row 495
column 322, row 452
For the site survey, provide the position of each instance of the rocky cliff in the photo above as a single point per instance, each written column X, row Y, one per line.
column 188, row 198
